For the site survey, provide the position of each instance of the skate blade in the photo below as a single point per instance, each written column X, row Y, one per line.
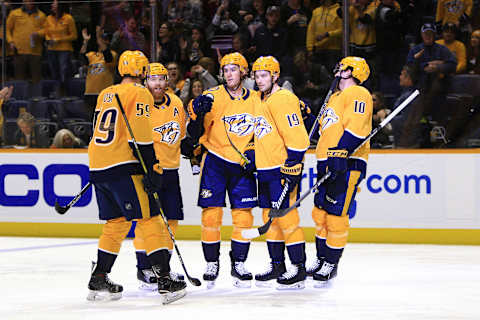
column 241, row 283
column 170, row 297
column 265, row 284
column 210, row 284
column 103, row 296
column 323, row 284
column 147, row 286
column 294, row 286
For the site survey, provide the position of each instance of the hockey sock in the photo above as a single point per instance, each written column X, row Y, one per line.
column 276, row 250
column 296, row 252
column 105, row 261
column 142, row 260
column 160, row 258
column 333, row 255
column 321, row 245
column 211, row 251
column 240, row 250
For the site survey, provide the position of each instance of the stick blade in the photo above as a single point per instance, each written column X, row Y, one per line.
column 59, row 208
column 250, row 233
column 195, row 282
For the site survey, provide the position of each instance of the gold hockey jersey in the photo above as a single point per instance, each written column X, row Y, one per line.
column 100, row 74
column 279, row 130
column 230, row 118
column 346, row 121
column 169, row 127
column 109, row 151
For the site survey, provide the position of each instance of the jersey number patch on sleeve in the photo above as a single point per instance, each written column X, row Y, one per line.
column 359, row 107
column 105, row 132
column 293, row 120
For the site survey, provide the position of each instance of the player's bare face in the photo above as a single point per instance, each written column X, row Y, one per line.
column 263, row 80
column 232, row 75
column 157, row 86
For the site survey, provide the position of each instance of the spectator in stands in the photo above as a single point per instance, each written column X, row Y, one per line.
column 254, row 18
column 324, row 34
column 240, row 44
column 384, row 138
column 457, row 48
column 60, row 32
column 5, row 94
column 195, row 88
column 473, row 53
column 27, row 134
column 127, row 37
column 199, row 72
column 185, row 13
column 222, row 22
column 458, row 12
column 167, row 45
column 389, row 24
column 24, row 36
column 435, row 64
column 197, row 46
column 271, row 39
column 101, row 62
column 114, row 15
column 175, row 78
column 296, row 17
column 64, row 139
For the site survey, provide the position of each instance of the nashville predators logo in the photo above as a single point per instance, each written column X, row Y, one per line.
column 170, row 132
column 240, row 124
column 329, row 118
column 262, row 127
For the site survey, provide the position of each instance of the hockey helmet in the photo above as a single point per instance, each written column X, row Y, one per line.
column 133, row 64
column 359, row 66
column 235, row 58
column 267, row 63
column 157, row 69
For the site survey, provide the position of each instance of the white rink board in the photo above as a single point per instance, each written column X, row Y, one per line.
column 445, row 197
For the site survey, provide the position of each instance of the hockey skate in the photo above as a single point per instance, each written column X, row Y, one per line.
column 327, row 272
column 241, row 276
column 293, row 279
column 101, row 287
column 315, row 266
column 211, row 273
column 147, row 280
column 266, row 279
column 170, row 290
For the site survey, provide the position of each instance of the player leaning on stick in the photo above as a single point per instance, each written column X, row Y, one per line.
column 121, row 189
column 222, row 119
column 281, row 141
column 346, row 121
column 168, row 119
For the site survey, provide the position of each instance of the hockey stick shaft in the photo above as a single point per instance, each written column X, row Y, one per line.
column 193, row 281
column 280, row 213
column 331, row 90
column 63, row 210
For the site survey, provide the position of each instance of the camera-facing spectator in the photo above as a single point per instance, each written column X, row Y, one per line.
column 27, row 134
column 127, row 37
column 167, row 45
column 64, row 139
column 222, row 22
column 458, row 12
column 473, row 53
column 60, row 32
column 271, row 39
column 457, row 48
column 24, row 36
column 296, row 17
column 175, row 78
column 5, row 94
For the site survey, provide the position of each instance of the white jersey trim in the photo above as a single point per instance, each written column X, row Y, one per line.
column 211, row 242
column 114, row 165
column 142, row 143
column 294, row 243
column 298, row 150
column 269, row 168
column 275, row 240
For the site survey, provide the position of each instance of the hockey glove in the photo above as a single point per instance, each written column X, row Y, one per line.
column 249, row 153
column 336, row 162
column 200, row 106
column 305, row 110
column 291, row 172
column 152, row 181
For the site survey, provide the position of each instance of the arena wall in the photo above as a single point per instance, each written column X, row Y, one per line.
column 414, row 196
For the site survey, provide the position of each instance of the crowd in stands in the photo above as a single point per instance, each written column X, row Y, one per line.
column 60, row 55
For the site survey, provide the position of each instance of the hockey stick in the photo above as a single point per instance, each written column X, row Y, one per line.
column 255, row 232
column 193, row 281
column 62, row 210
column 331, row 90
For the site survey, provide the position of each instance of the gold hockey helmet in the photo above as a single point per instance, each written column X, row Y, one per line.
column 133, row 64
column 267, row 63
column 360, row 69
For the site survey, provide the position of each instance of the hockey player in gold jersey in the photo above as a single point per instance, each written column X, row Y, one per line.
column 222, row 121
column 344, row 124
column 281, row 141
column 123, row 192
column 168, row 119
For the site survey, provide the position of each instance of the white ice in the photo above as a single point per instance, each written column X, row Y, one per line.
column 43, row 278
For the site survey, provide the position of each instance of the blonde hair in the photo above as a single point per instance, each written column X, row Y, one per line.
column 26, row 117
column 58, row 139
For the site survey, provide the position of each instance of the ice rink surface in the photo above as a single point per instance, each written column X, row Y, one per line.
column 42, row 278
